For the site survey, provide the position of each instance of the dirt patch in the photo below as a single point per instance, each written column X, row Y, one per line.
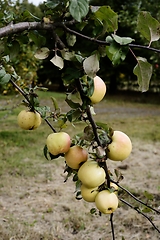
column 44, row 207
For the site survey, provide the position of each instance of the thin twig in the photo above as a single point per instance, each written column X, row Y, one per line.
column 112, row 226
column 136, row 209
column 135, row 198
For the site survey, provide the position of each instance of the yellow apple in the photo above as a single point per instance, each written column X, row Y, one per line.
column 75, row 156
column 29, row 120
column 106, row 202
column 89, row 194
column 91, row 174
column 99, row 90
column 120, row 147
column 58, row 143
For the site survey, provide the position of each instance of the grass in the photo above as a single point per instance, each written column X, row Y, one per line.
column 22, row 149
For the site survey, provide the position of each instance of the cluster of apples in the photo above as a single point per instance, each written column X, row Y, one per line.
column 30, row 120
column 89, row 172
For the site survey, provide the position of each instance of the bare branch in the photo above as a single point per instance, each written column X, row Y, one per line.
column 136, row 209
column 135, row 198
column 22, row 26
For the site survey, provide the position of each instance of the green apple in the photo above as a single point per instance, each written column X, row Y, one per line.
column 29, row 120
column 120, row 147
column 99, row 90
column 89, row 194
column 106, row 201
column 58, row 143
column 91, row 174
column 75, row 156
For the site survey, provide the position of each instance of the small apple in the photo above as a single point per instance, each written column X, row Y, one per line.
column 89, row 194
column 29, row 120
column 120, row 147
column 99, row 90
column 75, row 156
column 91, row 174
column 58, row 143
column 106, row 201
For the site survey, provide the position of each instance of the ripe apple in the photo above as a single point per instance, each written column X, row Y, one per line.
column 89, row 194
column 58, row 143
column 120, row 147
column 106, row 201
column 99, row 90
column 91, row 174
column 29, row 120
column 75, row 156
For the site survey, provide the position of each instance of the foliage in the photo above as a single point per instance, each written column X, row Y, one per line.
column 64, row 23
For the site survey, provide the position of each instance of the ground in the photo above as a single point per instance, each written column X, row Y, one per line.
column 43, row 207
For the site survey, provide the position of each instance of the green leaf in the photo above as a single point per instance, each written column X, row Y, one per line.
column 69, row 56
column 28, row 15
column 116, row 53
column 143, row 71
column 71, row 39
column 57, row 61
column 122, row 40
column 52, row 4
column 5, row 79
column 148, row 26
column 42, row 53
column 87, row 85
column 103, row 126
column 91, row 65
column 93, row 210
column 38, row 39
column 2, row 73
column 55, row 103
column 14, row 50
column 74, row 115
column 43, row 110
column 69, row 75
column 78, row 9
column 71, row 103
column 108, row 18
